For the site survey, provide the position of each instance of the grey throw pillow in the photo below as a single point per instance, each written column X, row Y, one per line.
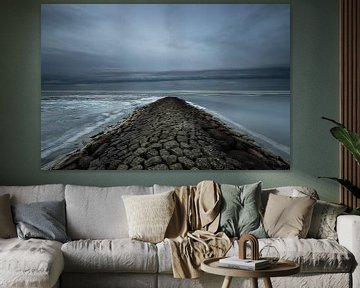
column 44, row 220
column 240, row 213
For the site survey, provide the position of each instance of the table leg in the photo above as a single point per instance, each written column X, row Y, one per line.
column 227, row 282
column 254, row 282
column 267, row 283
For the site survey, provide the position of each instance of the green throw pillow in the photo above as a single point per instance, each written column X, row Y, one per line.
column 240, row 213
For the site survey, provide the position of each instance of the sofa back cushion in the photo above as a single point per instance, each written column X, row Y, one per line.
column 288, row 217
column 290, row 191
column 35, row 193
column 98, row 212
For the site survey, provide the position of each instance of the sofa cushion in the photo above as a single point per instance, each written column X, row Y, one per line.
column 323, row 222
column 7, row 226
column 98, row 213
column 43, row 220
column 163, row 188
column 117, row 255
column 240, row 210
column 109, row 280
column 35, row 193
column 313, row 255
column 149, row 215
column 30, row 263
column 291, row 191
column 287, row 216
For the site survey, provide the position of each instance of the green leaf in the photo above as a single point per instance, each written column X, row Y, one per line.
column 347, row 184
column 355, row 211
column 348, row 138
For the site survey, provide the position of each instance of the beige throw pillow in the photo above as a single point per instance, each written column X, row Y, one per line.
column 7, row 226
column 288, row 217
column 149, row 215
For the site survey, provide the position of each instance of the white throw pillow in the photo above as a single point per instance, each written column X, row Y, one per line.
column 149, row 215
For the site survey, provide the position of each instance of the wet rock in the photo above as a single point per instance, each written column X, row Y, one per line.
column 137, row 167
column 159, row 167
column 152, row 152
column 171, row 144
column 136, row 161
column 164, row 152
column 122, row 167
column 184, row 145
column 186, row 162
column 153, row 161
column 169, row 159
column 100, row 150
column 203, row 164
column 177, row 151
column 176, row 166
column 95, row 163
column 84, row 162
column 156, row 146
column 170, row 134
column 140, row 152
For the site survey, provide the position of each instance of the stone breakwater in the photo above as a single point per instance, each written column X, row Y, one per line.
column 170, row 134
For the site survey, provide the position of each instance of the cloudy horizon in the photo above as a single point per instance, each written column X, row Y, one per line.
column 83, row 41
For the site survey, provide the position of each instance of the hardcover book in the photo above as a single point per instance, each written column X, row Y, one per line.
column 236, row 262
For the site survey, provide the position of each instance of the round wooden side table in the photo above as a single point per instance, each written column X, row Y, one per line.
column 281, row 268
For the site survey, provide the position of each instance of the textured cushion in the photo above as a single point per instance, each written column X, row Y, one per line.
column 323, row 222
column 7, row 227
column 32, row 263
column 240, row 210
column 44, row 220
column 287, row 216
column 98, row 213
column 149, row 215
column 117, row 255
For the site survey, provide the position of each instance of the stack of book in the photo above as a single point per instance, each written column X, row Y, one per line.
column 248, row 264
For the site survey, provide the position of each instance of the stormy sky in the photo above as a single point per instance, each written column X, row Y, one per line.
column 79, row 41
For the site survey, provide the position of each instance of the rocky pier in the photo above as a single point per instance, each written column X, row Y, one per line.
column 170, row 134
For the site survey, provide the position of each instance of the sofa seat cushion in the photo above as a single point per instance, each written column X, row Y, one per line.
column 313, row 255
column 115, row 255
column 30, row 263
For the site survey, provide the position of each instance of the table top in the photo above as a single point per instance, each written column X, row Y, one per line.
column 281, row 268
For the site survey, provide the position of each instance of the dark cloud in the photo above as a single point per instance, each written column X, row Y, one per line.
column 83, row 40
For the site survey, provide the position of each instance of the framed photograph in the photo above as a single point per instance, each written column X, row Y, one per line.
column 165, row 86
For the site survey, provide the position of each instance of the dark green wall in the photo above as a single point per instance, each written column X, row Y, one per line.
column 314, row 50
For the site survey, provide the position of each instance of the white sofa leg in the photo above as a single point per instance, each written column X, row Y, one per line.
column 348, row 229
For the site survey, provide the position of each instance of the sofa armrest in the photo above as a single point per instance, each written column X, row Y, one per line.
column 348, row 230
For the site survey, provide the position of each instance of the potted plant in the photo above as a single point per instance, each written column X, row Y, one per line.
column 351, row 141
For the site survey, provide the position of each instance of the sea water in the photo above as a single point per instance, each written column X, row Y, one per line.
column 255, row 102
